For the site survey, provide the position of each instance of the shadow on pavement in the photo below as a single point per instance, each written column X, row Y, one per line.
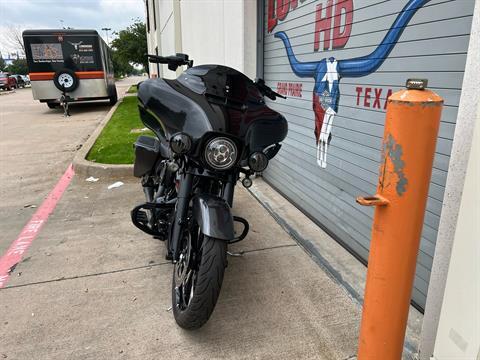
column 81, row 107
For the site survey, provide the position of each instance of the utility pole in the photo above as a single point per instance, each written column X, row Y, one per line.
column 106, row 33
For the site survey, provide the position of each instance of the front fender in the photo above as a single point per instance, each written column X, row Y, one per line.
column 214, row 216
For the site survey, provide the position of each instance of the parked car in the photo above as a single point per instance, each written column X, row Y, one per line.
column 20, row 80
column 7, row 82
column 26, row 78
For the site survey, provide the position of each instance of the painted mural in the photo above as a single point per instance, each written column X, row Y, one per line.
column 328, row 72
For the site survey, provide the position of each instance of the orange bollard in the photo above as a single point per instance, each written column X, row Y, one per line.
column 411, row 127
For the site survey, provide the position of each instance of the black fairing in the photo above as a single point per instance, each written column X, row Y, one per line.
column 211, row 98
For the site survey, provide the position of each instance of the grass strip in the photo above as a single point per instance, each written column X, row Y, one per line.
column 115, row 143
column 132, row 89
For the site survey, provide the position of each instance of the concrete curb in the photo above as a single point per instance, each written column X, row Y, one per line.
column 86, row 168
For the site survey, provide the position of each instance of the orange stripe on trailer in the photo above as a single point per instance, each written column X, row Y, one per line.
column 39, row 76
column 90, row 74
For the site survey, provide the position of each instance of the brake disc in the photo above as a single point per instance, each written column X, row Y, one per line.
column 182, row 267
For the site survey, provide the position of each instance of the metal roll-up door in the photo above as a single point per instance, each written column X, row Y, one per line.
column 325, row 85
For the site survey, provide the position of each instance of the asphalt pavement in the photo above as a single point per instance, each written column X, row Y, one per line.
column 92, row 286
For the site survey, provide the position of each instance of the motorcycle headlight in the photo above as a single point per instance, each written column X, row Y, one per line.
column 258, row 161
column 221, row 153
column 180, row 143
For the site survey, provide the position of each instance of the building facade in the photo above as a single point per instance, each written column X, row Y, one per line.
column 337, row 61
column 324, row 176
column 210, row 32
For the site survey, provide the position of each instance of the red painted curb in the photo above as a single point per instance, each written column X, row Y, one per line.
column 16, row 250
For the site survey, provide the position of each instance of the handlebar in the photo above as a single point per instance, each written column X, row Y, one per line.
column 266, row 90
column 173, row 61
column 179, row 59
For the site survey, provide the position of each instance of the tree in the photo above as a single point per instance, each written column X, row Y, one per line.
column 138, row 71
column 131, row 44
column 120, row 66
column 18, row 66
column 14, row 39
column 2, row 63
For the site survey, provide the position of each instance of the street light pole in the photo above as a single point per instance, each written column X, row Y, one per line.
column 106, row 33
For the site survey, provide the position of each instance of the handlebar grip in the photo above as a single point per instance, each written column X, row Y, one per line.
column 173, row 61
column 157, row 59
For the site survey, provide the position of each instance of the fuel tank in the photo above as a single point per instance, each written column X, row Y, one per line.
column 210, row 98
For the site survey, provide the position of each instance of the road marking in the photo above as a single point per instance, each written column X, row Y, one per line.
column 16, row 250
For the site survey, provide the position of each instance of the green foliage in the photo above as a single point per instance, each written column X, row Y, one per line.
column 2, row 63
column 18, row 66
column 138, row 71
column 133, row 89
column 115, row 143
column 131, row 44
column 120, row 66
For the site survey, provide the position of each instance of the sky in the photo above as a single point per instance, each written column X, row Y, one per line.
column 78, row 14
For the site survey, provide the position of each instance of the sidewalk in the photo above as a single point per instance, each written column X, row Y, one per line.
column 347, row 271
column 93, row 287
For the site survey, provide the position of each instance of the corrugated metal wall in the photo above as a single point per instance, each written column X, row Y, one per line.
column 433, row 45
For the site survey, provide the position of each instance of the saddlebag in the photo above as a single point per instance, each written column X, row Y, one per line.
column 147, row 149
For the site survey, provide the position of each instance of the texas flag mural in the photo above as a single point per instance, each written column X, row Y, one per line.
column 329, row 72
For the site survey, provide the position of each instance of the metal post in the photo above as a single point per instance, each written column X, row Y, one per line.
column 106, row 33
column 411, row 127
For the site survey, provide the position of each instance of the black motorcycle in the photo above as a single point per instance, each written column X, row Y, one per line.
column 212, row 127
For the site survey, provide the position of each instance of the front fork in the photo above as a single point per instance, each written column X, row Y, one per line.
column 229, row 188
column 183, row 202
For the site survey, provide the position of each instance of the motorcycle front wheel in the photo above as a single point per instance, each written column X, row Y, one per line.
column 197, row 280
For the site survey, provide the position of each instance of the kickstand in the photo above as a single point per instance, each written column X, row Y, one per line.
column 64, row 102
column 236, row 254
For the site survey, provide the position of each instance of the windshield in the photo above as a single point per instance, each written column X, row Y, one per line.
column 220, row 82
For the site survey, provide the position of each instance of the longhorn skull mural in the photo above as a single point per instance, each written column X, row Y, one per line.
column 328, row 73
column 76, row 45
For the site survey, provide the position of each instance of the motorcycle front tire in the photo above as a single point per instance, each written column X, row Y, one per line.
column 207, row 286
